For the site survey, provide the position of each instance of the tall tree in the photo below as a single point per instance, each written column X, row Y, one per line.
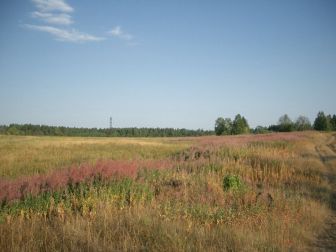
column 240, row 125
column 227, row 126
column 321, row 122
column 333, row 123
column 223, row 126
column 285, row 123
column 219, row 126
column 302, row 123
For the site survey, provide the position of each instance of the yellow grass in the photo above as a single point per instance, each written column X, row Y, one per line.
column 27, row 155
column 180, row 209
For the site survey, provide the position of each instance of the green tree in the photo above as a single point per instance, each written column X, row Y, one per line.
column 219, row 126
column 321, row 122
column 13, row 130
column 223, row 126
column 329, row 122
column 302, row 123
column 227, row 126
column 285, row 119
column 333, row 123
column 240, row 125
column 285, row 123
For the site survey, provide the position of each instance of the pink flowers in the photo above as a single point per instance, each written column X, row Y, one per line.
column 33, row 185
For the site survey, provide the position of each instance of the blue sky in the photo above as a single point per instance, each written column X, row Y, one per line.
column 165, row 63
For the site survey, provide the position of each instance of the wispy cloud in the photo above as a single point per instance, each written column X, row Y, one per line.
column 56, row 12
column 52, row 5
column 65, row 35
column 119, row 33
column 53, row 18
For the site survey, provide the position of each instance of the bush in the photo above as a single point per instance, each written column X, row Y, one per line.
column 232, row 182
column 260, row 130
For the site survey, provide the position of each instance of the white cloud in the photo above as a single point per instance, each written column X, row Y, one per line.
column 57, row 14
column 52, row 5
column 65, row 35
column 58, row 19
column 119, row 33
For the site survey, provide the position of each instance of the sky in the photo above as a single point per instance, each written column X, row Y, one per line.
column 180, row 64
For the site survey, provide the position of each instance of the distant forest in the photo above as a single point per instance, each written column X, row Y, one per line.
column 222, row 127
column 44, row 130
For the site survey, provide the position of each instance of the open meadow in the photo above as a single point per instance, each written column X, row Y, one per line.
column 167, row 125
column 268, row 192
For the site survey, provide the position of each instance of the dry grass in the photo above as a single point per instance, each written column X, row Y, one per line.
column 26, row 155
column 282, row 205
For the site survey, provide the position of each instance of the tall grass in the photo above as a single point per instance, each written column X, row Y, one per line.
column 178, row 202
column 25, row 155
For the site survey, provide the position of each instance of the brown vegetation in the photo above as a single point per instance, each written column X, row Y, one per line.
column 279, row 199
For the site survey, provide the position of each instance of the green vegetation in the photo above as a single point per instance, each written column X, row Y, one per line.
column 302, row 123
column 227, row 127
column 285, row 124
column 232, row 182
column 325, row 123
column 81, row 198
column 261, row 130
column 44, row 130
column 222, row 127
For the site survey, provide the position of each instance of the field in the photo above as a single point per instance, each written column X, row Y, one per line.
column 273, row 192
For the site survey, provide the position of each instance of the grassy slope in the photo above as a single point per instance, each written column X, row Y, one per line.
column 183, row 208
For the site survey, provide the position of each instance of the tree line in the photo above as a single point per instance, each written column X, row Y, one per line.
column 240, row 125
column 223, row 126
column 44, row 130
column 322, row 122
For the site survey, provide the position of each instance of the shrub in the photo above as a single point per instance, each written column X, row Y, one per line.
column 232, row 182
column 261, row 130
